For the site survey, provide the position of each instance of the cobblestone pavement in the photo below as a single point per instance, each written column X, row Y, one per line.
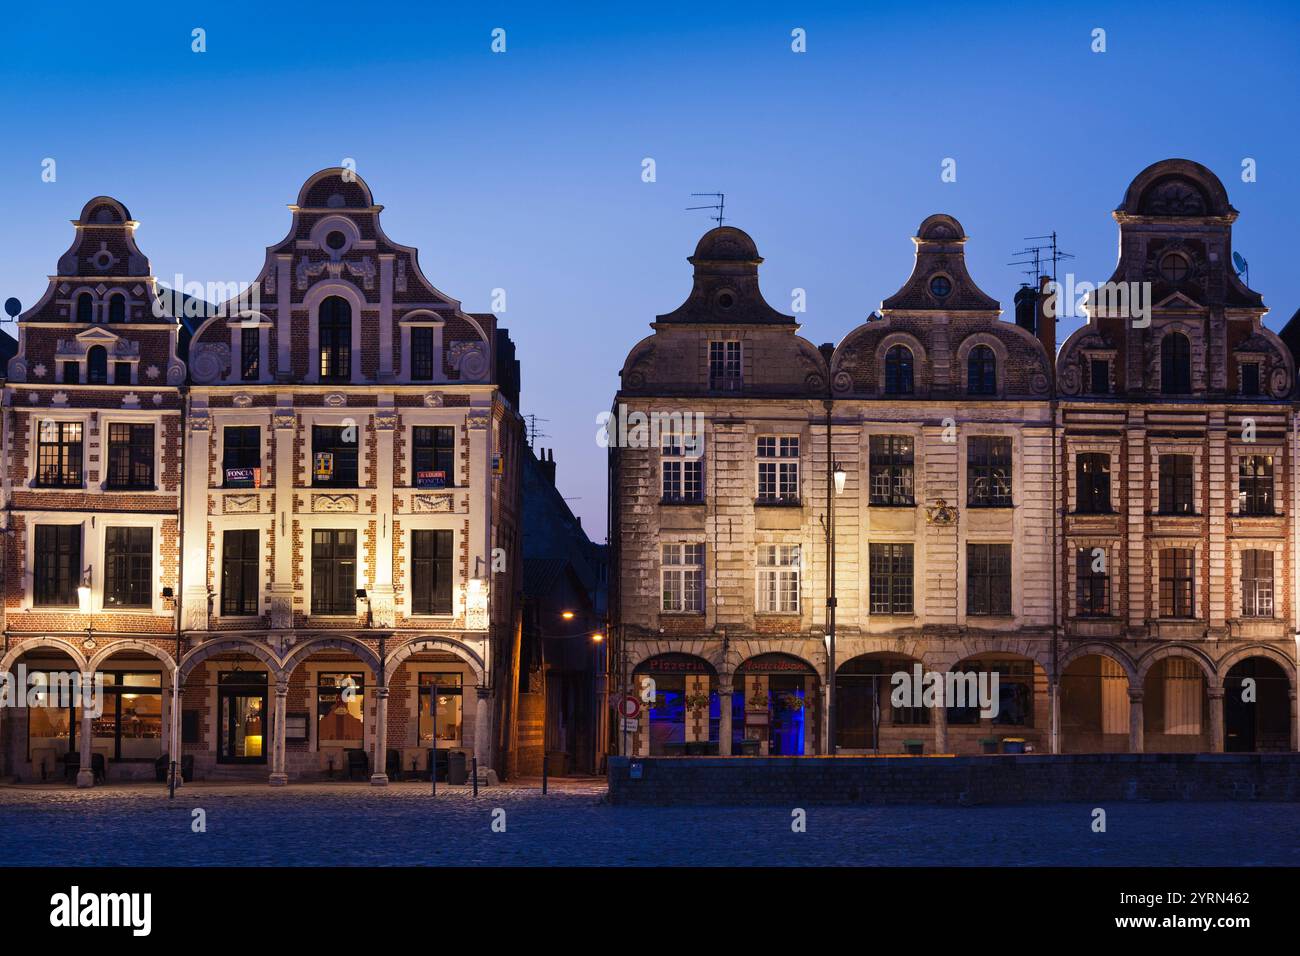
column 346, row 824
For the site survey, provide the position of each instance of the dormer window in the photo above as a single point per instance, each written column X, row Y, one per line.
column 335, row 324
column 117, row 308
column 981, row 372
column 97, row 365
column 1175, row 364
column 724, row 366
column 898, row 371
column 1098, row 376
column 422, row 353
column 85, row 308
column 250, row 353
column 1249, row 372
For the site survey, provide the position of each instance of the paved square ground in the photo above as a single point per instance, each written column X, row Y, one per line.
column 355, row 824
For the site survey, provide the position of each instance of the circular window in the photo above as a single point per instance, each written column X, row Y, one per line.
column 1174, row 267
column 336, row 240
column 940, row 286
column 726, row 300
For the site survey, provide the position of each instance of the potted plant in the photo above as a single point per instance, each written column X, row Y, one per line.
column 696, row 702
column 989, row 745
column 914, row 747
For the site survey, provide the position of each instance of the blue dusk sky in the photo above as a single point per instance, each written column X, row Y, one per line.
column 522, row 170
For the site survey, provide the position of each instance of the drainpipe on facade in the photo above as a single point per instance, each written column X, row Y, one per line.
column 829, row 404
column 175, row 738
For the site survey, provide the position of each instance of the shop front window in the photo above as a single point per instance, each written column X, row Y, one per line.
column 340, row 707
column 447, row 692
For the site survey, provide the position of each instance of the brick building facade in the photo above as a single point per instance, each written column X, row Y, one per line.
column 348, row 503
column 951, row 434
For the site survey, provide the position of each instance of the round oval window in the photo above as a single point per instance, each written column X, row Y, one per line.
column 1174, row 267
column 336, row 240
column 726, row 300
column 940, row 286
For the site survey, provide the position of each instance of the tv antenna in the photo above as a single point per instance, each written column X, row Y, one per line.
column 534, row 433
column 1242, row 266
column 1036, row 256
column 720, row 205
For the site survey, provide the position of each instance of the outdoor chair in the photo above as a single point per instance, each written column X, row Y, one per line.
column 358, row 765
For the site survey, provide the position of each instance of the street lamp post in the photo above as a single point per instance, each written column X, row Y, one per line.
column 835, row 479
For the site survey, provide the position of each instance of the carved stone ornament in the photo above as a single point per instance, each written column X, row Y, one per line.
column 940, row 513
column 433, row 504
column 336, row 399
column 209, row 361
column 477, row 420
column 386, row 420
column 240, row 504
column 333, row 504
column 433, row 400
column 200, row 421
column 284, row 419
column 242, row 400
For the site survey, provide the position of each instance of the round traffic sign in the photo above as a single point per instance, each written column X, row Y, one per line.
column 629, row 707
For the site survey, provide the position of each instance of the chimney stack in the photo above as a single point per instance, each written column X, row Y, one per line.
column 1046, row 328
column 547, row 464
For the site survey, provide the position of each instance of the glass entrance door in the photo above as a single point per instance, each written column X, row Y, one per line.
column 243, row 735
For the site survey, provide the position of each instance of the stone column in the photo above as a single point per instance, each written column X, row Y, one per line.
column 482, row 728
column 174, row 728
column 724, row 715
column 1216, row 719
column 381, row 590
column 86, row 775
column 1055, row 717
column 285, row 422
column 1295, row 722
column 940, row 726
column 279, row 776
column 379, row 770
column 1135, row 744
column 195, row 547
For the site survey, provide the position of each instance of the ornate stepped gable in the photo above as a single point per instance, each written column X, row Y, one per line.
column 336, row 247
column 725, row 304
column 940, row 315
column 103, row 296
column 1176, row 234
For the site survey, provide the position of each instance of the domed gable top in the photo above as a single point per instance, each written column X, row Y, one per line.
column 1176, row 188
column 104, row 211
column 725, row 244
column 939, row 281
column 726, row 288
column 335, row 188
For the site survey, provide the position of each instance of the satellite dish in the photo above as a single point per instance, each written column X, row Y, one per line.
column 1239, row 262
column 13, row 307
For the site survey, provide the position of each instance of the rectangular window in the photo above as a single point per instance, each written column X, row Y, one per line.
column 431, row 569
column 1177, row 583
column 1255, row 485
column 778, row 468
column 334, row 455
column 446, row 689
column 58, row 454
column 724, row 366
column 56, row 565
column 71, row 373
column 241, row 558
column 682, row 577
column 128, row 567
column 435, row 456
column 683, row 469
column 988, row 579
column 1249, row 378
column 1176, row 484
column 334, row 572
column 892, row 469
column 778, row 578
column 1093, row 582
column 241, row 456
column 422, row 353
column 250, row 353
column 891, row 578
column 130, row 455
column 1257, row 583
column 1099, row 377
column 988, row 472
column 1092, row 475
column 340, row 709
column 121, row 373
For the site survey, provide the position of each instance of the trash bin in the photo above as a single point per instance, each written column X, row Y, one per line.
column 749, row 747
column 457, row 767
column 1013, row 745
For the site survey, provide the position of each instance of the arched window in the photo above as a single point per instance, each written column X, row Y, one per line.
column 898, row 370
column 97, row 365
column 1175, row 364
column 117, row 308
column 981, row 372
column 85, row 308
column 335, row 324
